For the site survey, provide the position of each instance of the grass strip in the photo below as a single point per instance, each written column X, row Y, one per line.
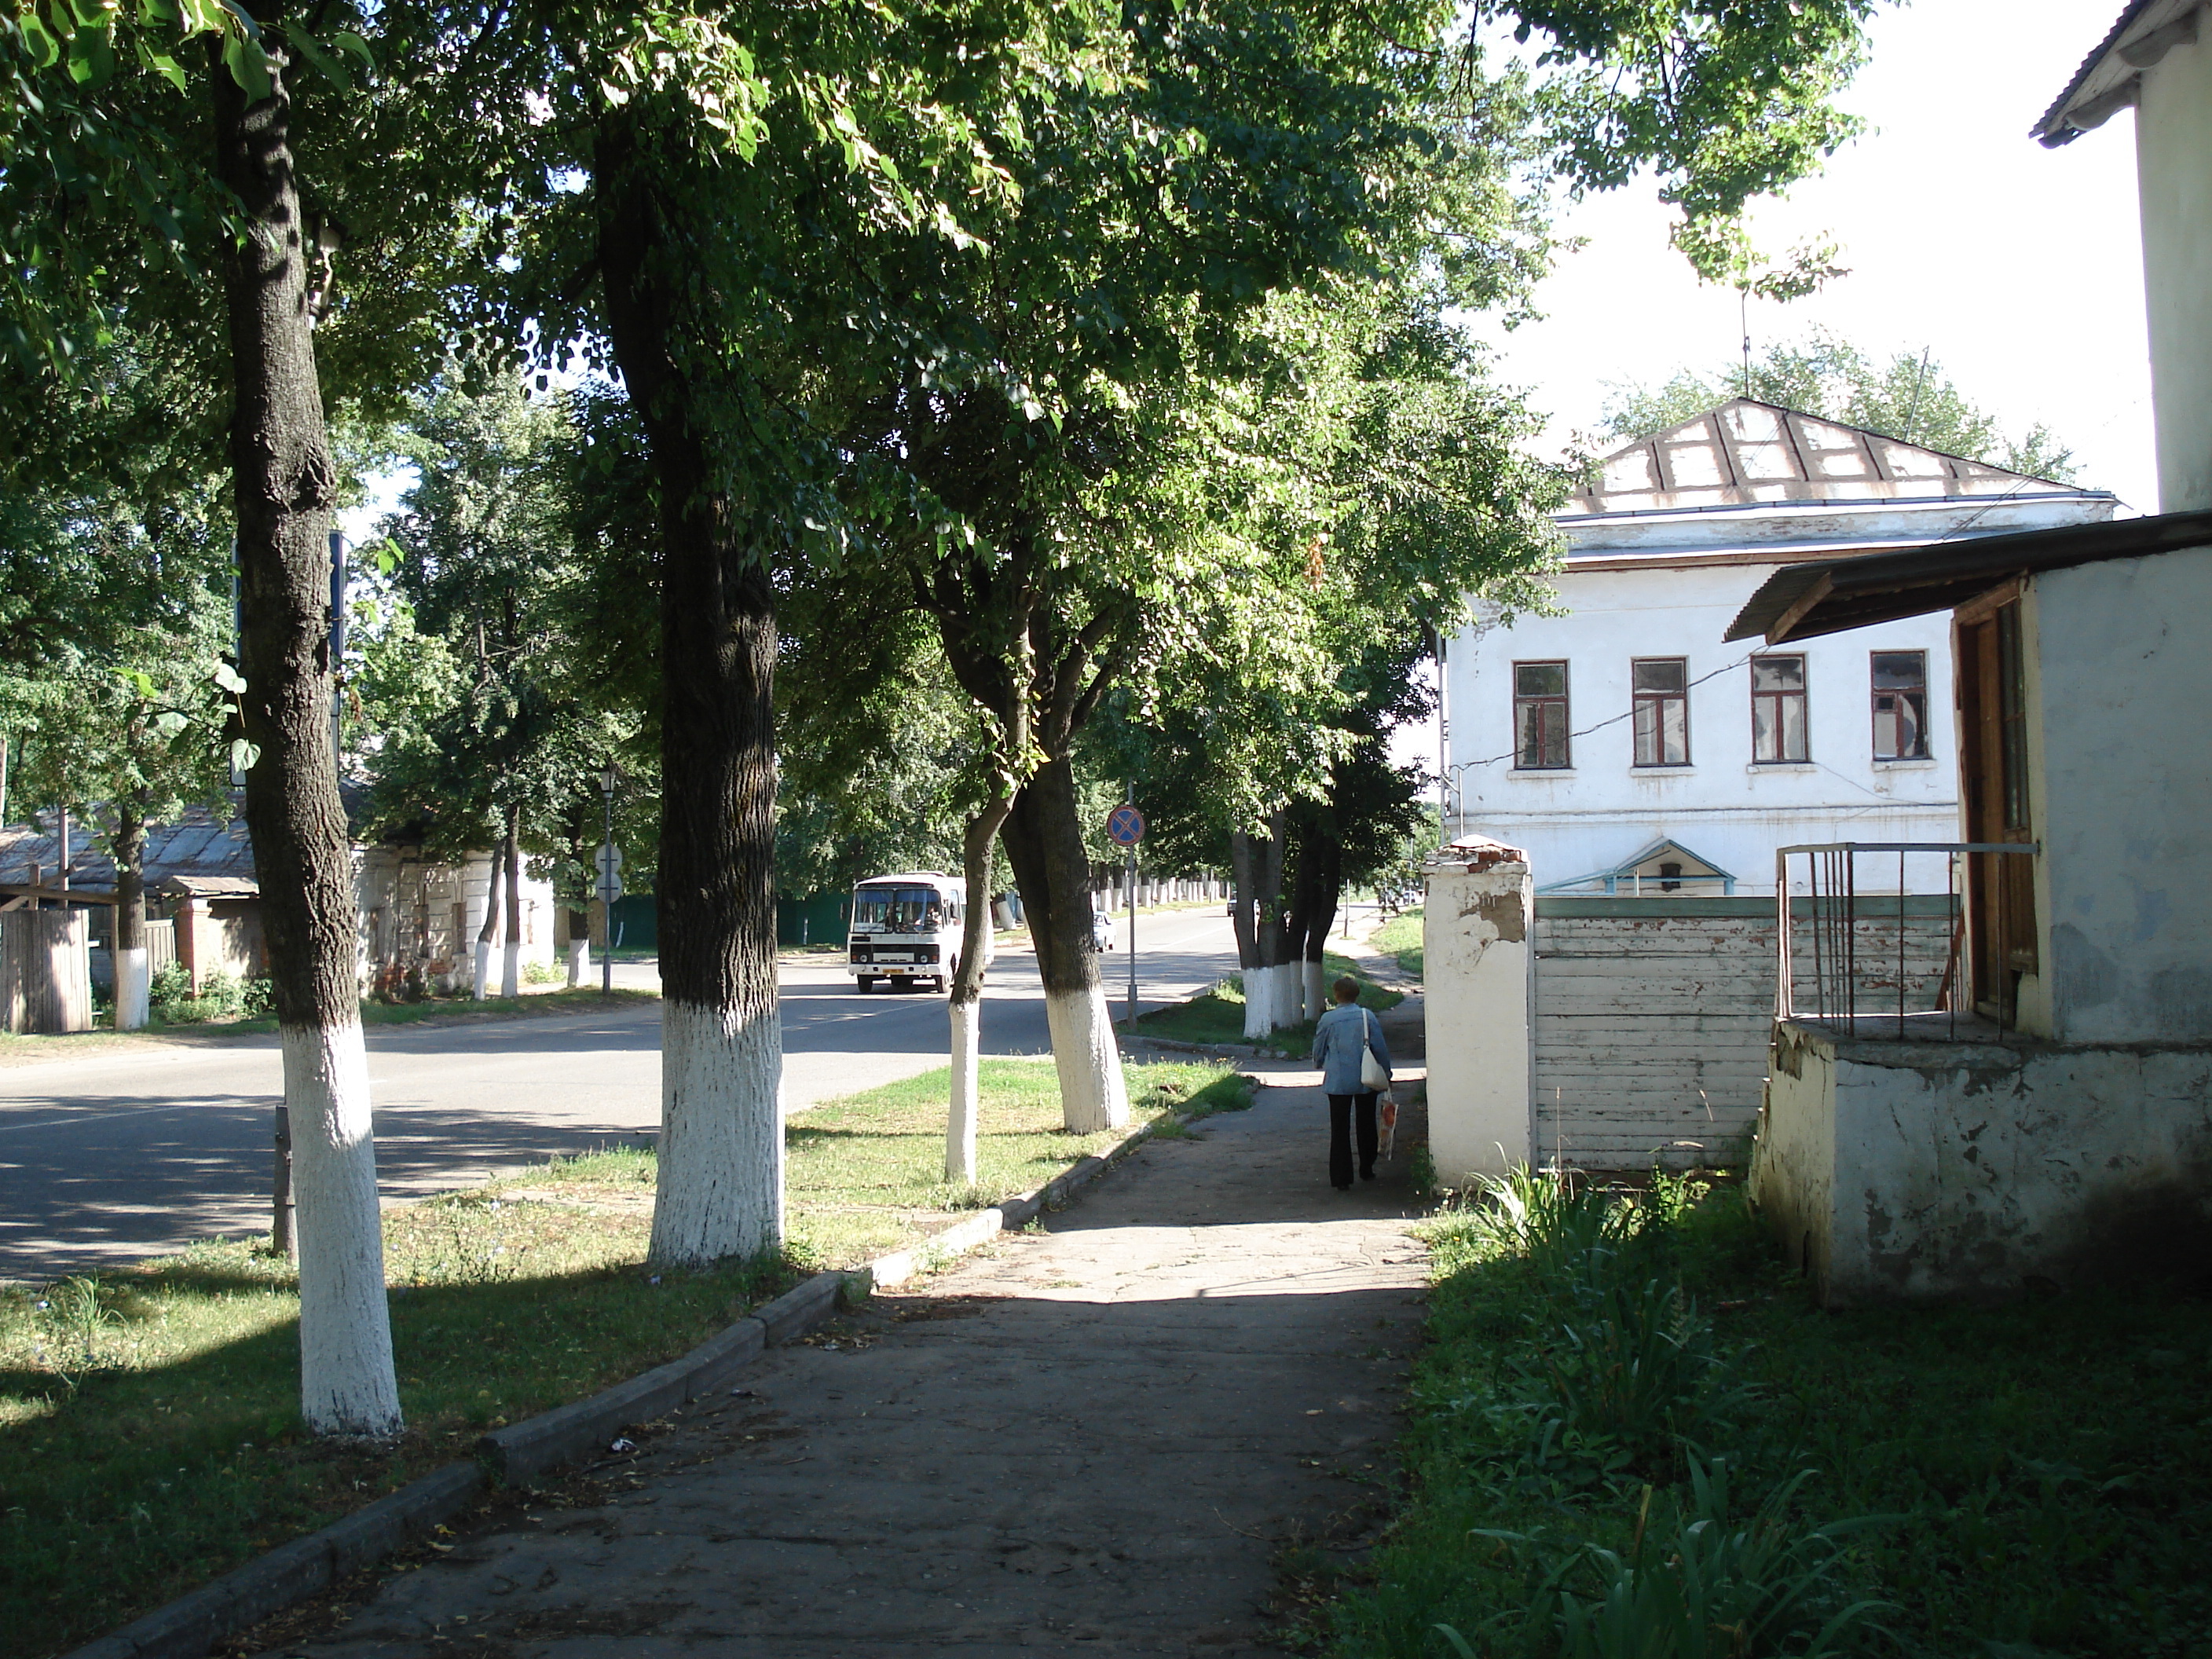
column 15, row 1047
column 1401, row 937
column 2008, row 1482
column 149, row 1418
column 1216, row 1015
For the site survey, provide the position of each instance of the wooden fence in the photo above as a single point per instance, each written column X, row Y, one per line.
column 45, row 971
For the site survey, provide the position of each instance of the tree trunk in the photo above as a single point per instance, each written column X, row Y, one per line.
column 1316, row 858
column 480, row 977
column 284, row 484
column 720, row 1191
column 966, row 1002
column 1043, row 838
column 133, row 970
column 510, row 973
column 1276, row 952
column 1245, row 860
column 578, row 946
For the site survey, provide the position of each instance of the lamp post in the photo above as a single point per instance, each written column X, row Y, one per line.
column 609, row 891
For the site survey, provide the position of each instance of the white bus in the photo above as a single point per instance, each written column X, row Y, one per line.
column 906, row 928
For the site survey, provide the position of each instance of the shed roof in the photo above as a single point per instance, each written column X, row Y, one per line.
column 200, row 843
column 1828, row 596
column 2111, row 77
column 1746, row 453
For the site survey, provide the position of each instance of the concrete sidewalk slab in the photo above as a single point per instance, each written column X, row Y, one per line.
column 1096, row 1438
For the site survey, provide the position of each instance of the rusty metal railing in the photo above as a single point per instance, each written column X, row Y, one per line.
column 1849, row 948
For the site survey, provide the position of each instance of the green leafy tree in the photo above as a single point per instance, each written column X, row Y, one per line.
column 1908, row 397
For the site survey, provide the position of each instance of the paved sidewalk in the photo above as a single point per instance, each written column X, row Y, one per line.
column 1096, row 1439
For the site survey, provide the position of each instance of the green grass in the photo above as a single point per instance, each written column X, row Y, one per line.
column 2044, row 1468
column 1401, row 937
column 1217, row 1016
column 148, row 1434
column 585, row 1000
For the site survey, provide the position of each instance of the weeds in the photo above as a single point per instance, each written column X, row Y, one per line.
column 1632, row 1435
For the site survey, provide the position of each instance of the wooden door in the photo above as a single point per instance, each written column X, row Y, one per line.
column 1992, row 684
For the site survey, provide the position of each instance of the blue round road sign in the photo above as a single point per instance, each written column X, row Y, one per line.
column 1125, row 826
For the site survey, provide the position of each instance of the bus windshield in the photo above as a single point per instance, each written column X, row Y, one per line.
column 898, row 910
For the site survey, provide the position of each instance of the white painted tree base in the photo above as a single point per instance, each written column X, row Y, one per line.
column 1290, row 995
column 1093, row 1093
column 960, row 1122
column 134, row 989
column 580, row 962
column 1258, row 1001
column 510, row 970
column 1317, row 991
column 720, row 1188
column 478, row 986
column 347, row 1383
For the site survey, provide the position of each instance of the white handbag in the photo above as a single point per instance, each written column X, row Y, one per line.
column 1373, row 1079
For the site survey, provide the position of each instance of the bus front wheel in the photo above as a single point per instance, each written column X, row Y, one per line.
column 865, row 982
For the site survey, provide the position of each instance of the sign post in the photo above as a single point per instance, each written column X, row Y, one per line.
column 1125, row 826
column 607, row 860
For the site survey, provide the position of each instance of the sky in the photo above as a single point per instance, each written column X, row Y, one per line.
column 2020, row 268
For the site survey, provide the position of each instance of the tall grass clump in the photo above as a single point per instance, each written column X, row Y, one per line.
column 1634, row 1435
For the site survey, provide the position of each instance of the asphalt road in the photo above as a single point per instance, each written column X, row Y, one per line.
column 132, row 1151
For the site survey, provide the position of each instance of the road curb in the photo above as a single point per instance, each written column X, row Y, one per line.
column 189, row 1626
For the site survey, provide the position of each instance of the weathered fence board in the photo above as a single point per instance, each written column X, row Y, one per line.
column 45, row 971
column 1652, row 1016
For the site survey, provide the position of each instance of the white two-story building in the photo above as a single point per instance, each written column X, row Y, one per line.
column 1629, row 752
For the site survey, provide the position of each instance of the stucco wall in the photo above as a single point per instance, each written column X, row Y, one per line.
column 1722, row 805
column 2174, row 172
column 2123, row 803
column 1909, row 1170
column 1475, row 933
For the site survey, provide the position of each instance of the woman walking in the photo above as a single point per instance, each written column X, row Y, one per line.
column 1342, row 1036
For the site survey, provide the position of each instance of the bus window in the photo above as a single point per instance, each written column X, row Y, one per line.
column 896, row 910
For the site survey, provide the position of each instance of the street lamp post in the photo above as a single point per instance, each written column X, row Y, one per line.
column 608, row 892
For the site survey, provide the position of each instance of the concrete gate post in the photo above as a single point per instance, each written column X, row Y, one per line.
column 1475, row 936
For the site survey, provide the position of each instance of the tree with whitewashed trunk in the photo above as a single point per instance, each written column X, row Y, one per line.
column 285, row 486
column 964, row 1011
column 510, row 861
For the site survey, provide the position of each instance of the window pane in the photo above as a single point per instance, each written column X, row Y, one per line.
column 1777, row 674
column 1766, row 729
column 1900, row 670
column 1663, row 674
column 1647, row 734
column 1675, row 727
column 1794, row 746
column 1539, row 679
column 1528, row 739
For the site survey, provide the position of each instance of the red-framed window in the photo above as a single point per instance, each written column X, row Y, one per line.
column 1661, row 690
column 1540, row 717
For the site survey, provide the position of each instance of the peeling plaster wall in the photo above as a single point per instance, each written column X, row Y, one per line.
column 1476, row 935
column 2173, row 138
column 1905, row 1170
column 2123, row 801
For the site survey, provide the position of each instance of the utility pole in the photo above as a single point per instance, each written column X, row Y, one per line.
column 1132, row 799
column 609, row 864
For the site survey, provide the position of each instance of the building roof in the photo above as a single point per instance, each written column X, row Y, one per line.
column 1802, row 601
column 1747, row 453
column 2111, row 77
column 200, row 843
